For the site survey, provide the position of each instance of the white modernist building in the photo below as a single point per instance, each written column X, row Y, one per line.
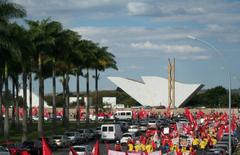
column 153, row 91
column 35, row 99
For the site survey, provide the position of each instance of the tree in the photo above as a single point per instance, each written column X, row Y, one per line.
column 88, row 49
column 8, row 10
column 104, row 60
column 42, row 35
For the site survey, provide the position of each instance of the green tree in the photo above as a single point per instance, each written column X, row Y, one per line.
column 8, row 10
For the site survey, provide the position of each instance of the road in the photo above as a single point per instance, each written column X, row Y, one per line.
column 102, row 148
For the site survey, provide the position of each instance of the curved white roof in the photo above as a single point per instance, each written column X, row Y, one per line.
column 35, row 99
column 153, row 91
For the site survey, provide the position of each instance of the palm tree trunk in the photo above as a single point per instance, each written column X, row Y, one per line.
column 6, row 119
column 54, row 112
column 30, row 97
column 64, row 103
column 41, row 96
column 24, row 121
column 14, row 103
column 78, row 102
column 17, row 107
column 1, row 104
column 96, row 88
column 67, row 101
column 88, row 95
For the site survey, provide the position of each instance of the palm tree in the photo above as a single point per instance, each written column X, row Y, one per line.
column 104, row 60
column 8, row 10
column 68, row 46
column 26, row 52
column 89, row 49
column 42, row 35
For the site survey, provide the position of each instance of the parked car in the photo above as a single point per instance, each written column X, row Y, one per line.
column 111, row 132
column 127, row 136
column 152, row 123
column 133, row 128
column 143, row 126
column 216, row 151
column 31, row 147
column 61, row 140
column 73, row 136
column 98, row 131
column 4, row 151
column 81, row 149
column 12, row 147
column 123, row 115
column 85, row 134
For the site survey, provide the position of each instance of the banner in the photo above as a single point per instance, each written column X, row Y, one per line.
column 111, row 152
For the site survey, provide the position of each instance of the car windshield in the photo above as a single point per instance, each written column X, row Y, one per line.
column 79, row 149
column 80, row 131
column 69, row 134
column 133, row 127
column 56, row 137
column 127, row 135
column 152, row 121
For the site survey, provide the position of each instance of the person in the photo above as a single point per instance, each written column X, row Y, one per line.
column 137, row 146
column 196, row 142
column 130, row 146
column 118, row 146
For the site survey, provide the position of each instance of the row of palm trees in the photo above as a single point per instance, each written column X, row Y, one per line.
column 47, row 50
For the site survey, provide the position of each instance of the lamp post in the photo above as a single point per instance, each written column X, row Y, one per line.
column 229, row 89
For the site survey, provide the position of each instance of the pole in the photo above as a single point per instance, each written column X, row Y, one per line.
column 229, row 117
column 229, row 91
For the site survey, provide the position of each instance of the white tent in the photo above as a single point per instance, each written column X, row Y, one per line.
column 35, row 99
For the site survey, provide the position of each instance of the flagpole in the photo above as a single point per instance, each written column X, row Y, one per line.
column 229, row 89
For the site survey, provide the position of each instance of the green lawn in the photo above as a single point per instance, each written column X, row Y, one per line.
column 16, row 135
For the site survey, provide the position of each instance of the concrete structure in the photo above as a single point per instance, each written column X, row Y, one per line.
column 35, row 99
column 153, row 91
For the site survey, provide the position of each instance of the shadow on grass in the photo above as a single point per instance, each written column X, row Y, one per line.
column 16, row 134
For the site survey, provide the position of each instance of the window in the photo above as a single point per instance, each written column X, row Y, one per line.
column 128, row 113
column 110, row 128
column 122, row 113
column 104, row 129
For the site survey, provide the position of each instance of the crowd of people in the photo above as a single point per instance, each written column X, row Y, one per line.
column 201, row 133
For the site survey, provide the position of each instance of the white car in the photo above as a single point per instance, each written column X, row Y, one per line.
column 127, row 136
column 4, row 151
column 81, row 150
column 133, row 128
column 152, row 123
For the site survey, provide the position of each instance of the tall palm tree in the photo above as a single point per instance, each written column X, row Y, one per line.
column 89, row 49
column 27, row 49
column 104, row 60
column 8, row 10
column 42, row 35
column 68, row 47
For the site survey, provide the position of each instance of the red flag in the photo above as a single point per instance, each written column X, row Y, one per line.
column 73, row 151
column 45, row 148
column 220, row 132
column 95, row 150
column 25, row 153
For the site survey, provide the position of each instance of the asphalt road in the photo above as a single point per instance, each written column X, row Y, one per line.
column 102, row 148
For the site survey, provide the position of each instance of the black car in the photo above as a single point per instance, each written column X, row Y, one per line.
column 31, row 147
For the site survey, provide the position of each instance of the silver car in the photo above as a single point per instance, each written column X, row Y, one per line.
column 61, row 140
column 4, row 151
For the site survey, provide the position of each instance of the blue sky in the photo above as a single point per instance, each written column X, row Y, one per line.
column 143, row 34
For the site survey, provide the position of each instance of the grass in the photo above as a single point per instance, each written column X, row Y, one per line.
column 16, row 135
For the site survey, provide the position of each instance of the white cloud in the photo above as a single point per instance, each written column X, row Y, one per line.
column 215, row 28
column 135, row 67
column 180, row 49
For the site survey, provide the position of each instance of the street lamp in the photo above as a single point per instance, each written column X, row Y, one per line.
column 229, row 88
